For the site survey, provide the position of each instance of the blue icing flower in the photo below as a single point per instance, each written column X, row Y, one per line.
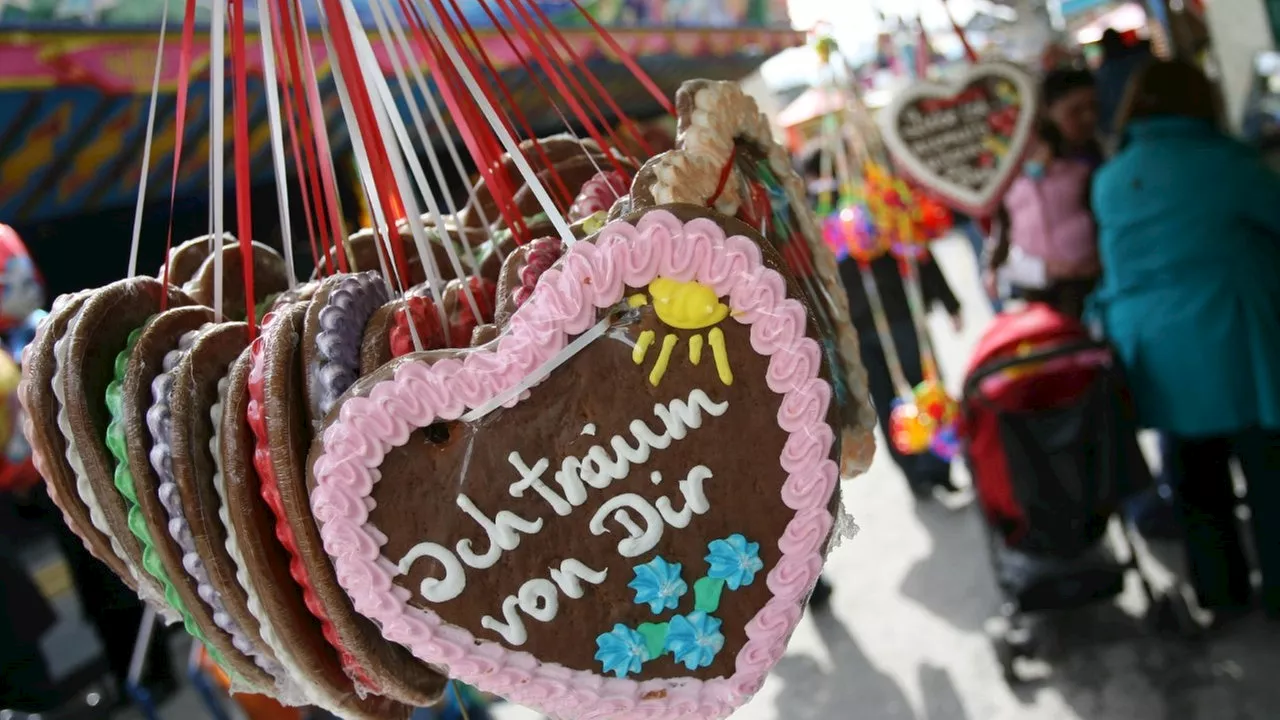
column 658, row 583
column 621, row 650
column 734, row 560
column 694, row 639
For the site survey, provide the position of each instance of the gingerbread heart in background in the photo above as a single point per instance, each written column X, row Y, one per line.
column 619, row 507
column 964, row 140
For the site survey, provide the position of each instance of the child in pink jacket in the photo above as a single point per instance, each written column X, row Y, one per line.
column 1046, row 244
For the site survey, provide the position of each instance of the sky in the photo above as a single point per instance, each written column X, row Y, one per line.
column 854, row 21
column 854, row 25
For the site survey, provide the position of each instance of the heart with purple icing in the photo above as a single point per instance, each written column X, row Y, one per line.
column 619, row 507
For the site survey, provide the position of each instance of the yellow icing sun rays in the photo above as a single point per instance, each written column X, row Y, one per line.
column 684, row 305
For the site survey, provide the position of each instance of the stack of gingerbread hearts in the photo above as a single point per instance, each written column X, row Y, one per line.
column 597, row 476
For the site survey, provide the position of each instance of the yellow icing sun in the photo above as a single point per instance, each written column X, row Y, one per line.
column 684, row 305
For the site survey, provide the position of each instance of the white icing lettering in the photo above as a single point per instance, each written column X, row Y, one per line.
column 680, row 416
column 540, row 599
column 570, row 481
column 569, row 576
column 627, row 522
column 601, row 466
column 436, row 590
column 695, row 500
column 598, row 470
column 647, row 438
column 511, row 628
column 637, row 542
column 532, row 478
column 503, row 532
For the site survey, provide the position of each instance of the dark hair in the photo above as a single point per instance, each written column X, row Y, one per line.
column 1056, row 85
column 811, row 163
column 1061, row 82
column 1112, row 43
column 1049, row 133
column 1168, row 88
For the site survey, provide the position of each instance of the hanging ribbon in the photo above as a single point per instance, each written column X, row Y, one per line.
column 628, row 61
column 969, row 53
column 240, row 113
column 179, row 127
column 309, row 180
column 146, row 149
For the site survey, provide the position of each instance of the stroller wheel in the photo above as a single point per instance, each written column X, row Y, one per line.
column 1171, row 614
column 1022, row 640
column 1010, row 640
column 1007, row 656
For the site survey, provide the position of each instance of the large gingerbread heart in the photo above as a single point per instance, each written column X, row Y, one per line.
column 965, row 140
column 726, row 157
column 636, row 479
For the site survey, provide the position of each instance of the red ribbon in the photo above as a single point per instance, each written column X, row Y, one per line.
column 180, row 124
column 287, row 30
column 594, row 82
column 240, row 116
column 375, row 144
column 628, row 61
column 483, row 147
column 514, row 107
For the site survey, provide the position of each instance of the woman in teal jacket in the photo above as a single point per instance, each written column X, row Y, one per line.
column 1189, row 239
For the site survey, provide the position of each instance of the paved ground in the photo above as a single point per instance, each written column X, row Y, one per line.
column 904, row 638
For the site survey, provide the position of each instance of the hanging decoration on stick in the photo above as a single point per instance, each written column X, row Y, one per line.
column 875, row 213
column 964, row 140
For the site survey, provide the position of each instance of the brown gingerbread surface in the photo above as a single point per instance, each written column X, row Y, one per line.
column 96, row 336
column 270, row 277
column 267, row 563
column 186, row 259
column 594, row 400
column 195, row 390
column 160, row 337
column 375, row 346
column 392, row 668
column 38, row 368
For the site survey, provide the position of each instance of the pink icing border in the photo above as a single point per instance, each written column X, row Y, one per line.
column 590, row 277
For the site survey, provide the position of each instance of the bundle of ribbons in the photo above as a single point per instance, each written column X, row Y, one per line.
column 575, row 441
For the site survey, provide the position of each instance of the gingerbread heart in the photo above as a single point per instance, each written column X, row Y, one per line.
column 726, row 158
column 964, row 140
column 619, row 507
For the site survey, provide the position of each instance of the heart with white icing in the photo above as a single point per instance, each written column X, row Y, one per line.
column 964, row 140
column 619, row 507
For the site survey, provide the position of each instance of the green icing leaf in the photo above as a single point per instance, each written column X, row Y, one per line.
column 655, row 638
column 706, row 593
column 124, row 483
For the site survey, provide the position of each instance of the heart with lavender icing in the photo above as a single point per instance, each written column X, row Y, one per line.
column 619, row 507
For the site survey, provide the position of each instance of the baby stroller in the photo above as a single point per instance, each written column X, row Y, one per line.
column 1052, row 446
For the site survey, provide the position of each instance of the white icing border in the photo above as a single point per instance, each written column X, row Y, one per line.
column 982, row 201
